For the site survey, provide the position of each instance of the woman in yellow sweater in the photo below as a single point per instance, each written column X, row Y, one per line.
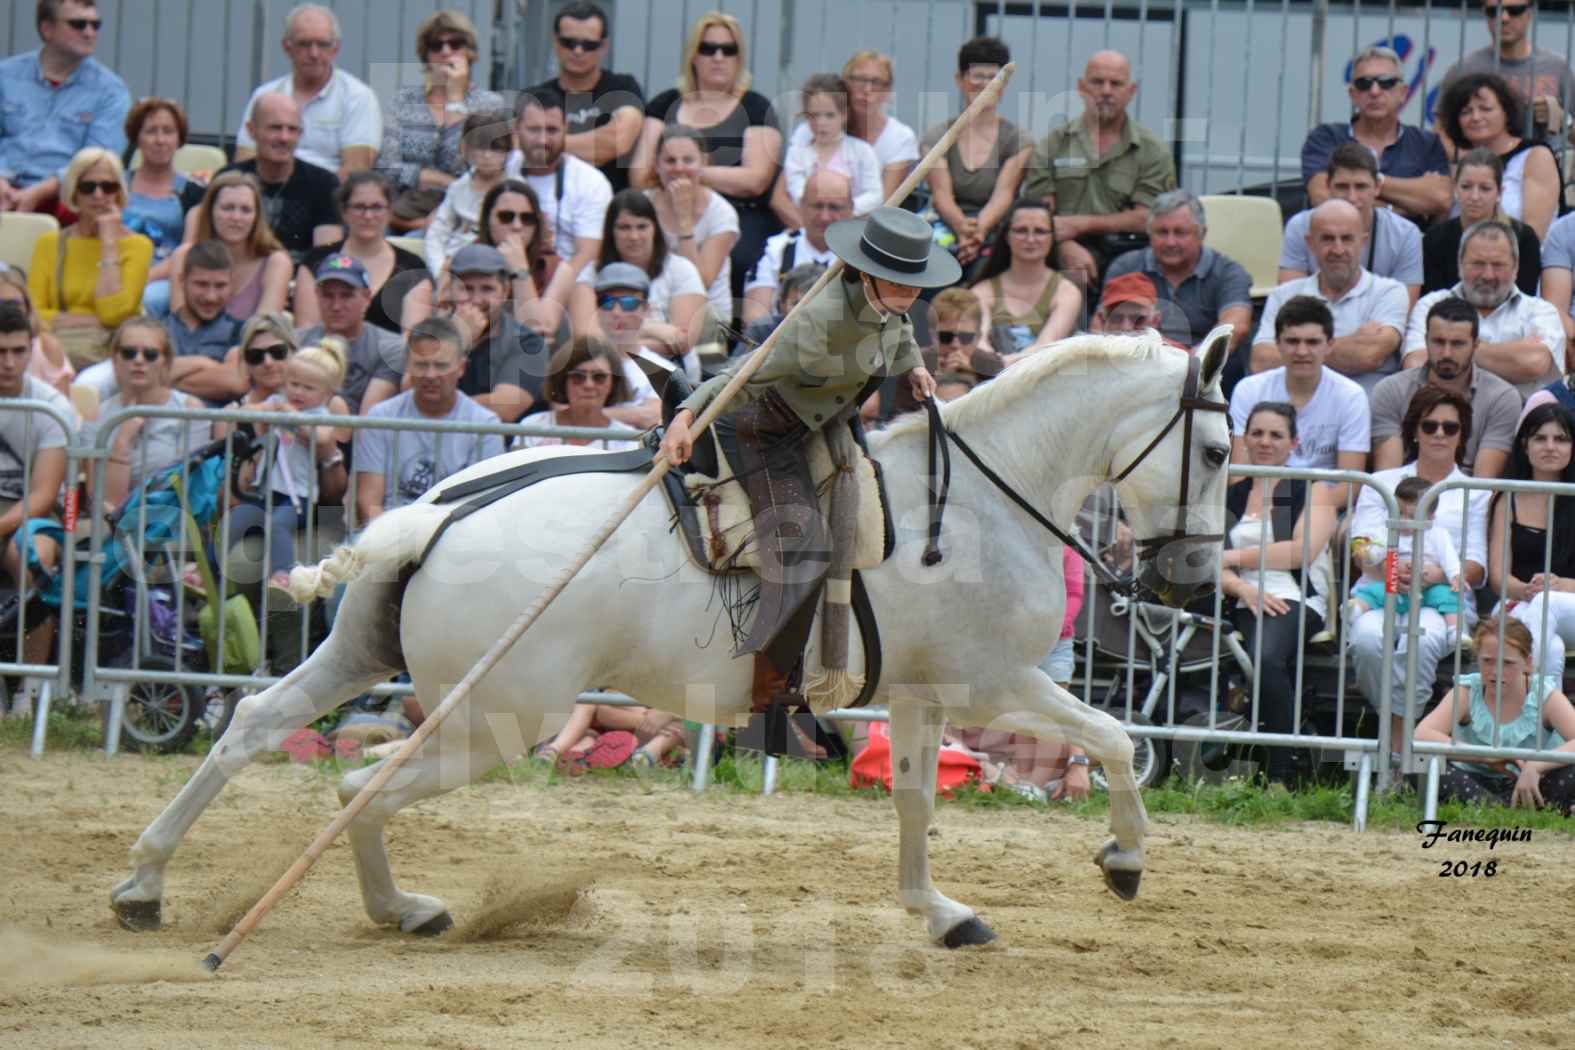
column 88, row 278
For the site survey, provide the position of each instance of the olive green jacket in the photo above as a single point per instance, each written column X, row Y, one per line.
column 823, row 356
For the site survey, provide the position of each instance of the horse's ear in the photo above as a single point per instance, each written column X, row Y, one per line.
column 1215, row 350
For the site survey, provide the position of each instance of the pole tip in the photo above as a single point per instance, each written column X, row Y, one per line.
column 212, row 962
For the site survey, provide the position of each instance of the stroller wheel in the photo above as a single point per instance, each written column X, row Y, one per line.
column 161, row 716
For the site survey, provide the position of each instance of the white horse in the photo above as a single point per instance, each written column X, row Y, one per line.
column 961, row 640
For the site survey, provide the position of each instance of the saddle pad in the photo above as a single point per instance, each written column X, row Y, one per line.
column 726, row 524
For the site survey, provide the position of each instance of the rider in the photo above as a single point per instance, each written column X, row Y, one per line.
column 831, row 353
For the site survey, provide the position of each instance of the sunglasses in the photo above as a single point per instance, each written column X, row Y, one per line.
column 149, row 354
column 579, row 375
column 1430, row 427
column 712, row 50
column 1368, row 83
column 509, row 218
column 948, row 338
column 1512, row 10
column 82, row 25
column 627, row 303
column 573, row 43
column 255, row 354
column 88, row 187
column 448, row 43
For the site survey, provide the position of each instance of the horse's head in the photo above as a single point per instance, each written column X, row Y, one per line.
column 1170, row 467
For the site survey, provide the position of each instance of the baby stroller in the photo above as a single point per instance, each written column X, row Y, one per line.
column 145, row 618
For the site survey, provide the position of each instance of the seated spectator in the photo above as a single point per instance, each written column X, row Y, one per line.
column 604, row 110
column 697, row 223
column 972, row 191
column 828, row 198
column 88, row 278
column 48, row 361
column 201, row 330
column 142, row 357
column 1392, row 245
column 1128, row 305
column 375, row 357
column 423, row 126
column 1452, row 327
column 1541, row 79
column 267, row 342
column 1332, row 422
column 504, row 361
column 579, row 195
column 1433, row 550
column 297, row 196
column 1558, row 272
column 304, row 466
column 160, row 197
column 1481, row 111
column 1101, row 171
column 1028, row 303
column 1479, row 185
column 601, row 736
column 401, row 283
column 829, row 147
column 743, row 138
column 32, row 445
column 340, row 122
column 511, row 221
column 485, row 143
column 1521, row 561
column 36, row 146
column 1522, row 341
column 790, row 290
column 1281, row 529
column 583, row 379
column 621, row 310
column 959, row 336
column 1198, row 287
column 869, row 76
column 632, row 235
column 1412, row 162
column 396, row 467
column 1436, row 430
column 1369, row 310
column 232, row 213
column 1505, row 704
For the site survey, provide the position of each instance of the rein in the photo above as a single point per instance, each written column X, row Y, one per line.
column 940, row 485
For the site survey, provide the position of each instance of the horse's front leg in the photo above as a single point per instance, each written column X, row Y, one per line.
column 1035, row 705
column 915, row 746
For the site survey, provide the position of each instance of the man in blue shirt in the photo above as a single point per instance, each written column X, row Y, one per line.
column 53, row 102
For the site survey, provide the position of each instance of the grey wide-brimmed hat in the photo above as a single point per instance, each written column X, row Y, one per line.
column 894, row 245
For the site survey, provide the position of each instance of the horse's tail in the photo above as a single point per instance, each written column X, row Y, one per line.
column 392, row 539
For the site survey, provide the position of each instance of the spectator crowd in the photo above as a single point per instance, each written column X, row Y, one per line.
column 559, row 253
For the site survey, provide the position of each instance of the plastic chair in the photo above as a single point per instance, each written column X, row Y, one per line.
column 193, row 160
column 1250, row 230
column 18, row 233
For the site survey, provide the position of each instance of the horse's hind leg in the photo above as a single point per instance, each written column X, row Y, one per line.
column 915, row 744
column 445, row 761
column 348, row 663
column 1035, row 705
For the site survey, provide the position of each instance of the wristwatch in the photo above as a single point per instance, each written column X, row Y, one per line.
column 1077, row 760
column 332, row 461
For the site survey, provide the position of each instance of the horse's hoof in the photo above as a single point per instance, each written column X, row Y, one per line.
column 139, row 916
column 1120, row 881
column 967, row 932
column 439, row 924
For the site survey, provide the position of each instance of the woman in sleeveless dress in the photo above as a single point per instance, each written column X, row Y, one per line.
column 1027, row 303
column 1481, row 110
column 232, row 212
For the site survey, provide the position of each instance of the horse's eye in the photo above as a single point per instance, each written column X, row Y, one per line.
column 1216, row 457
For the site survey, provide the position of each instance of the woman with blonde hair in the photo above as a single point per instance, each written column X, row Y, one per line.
column 743, row 139
column 48, row 361
column 421, row 128
column 232, row 212
column 869, row 76
column 267, row 342
column 88, row 278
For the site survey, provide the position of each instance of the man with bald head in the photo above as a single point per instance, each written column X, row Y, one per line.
column 1369, row 310
column 828, row 198
column 298, row 198
column 1100, row 172
column 342, row 123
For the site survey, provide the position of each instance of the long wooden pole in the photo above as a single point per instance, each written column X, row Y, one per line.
column 457, row 695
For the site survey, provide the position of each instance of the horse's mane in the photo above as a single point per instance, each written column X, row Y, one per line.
column 1021, row 379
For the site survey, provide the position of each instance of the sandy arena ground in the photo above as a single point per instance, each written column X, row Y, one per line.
column 741, row 922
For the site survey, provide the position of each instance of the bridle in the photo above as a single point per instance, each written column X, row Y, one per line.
column 1190, row 404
